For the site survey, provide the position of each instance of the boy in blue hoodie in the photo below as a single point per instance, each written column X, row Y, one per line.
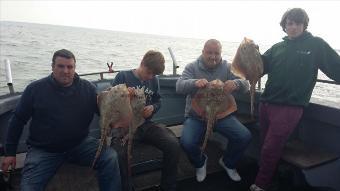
column 151, row 65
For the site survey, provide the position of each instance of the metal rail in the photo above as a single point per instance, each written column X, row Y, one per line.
column 174, row 62
column 318, row 80
column 101, row 74
column 328, row 81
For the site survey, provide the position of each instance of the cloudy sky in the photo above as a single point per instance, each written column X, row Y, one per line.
column 225, row 20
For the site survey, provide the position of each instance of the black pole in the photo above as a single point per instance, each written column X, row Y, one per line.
column 11, row 88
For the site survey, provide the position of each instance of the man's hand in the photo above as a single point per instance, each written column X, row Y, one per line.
column 147, row 112
column 201, row 83
column 9, row 161
column 230, row 86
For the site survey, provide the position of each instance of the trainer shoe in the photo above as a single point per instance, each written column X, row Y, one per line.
column 201, row 173
column 232, row 173
column 253, row 187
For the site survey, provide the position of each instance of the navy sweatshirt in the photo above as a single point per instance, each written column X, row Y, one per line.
column 60, row 115
column 151, row 88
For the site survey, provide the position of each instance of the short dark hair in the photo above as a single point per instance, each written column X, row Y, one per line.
column 63, row 53
column 297, row 15
column 154, row 61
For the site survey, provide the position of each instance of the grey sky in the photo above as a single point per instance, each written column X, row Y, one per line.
column 225, row 20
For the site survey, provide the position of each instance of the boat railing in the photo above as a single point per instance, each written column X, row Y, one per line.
column 327, row 81
column 174, row 62
column 318, row 80
column 111, row 71
column 101, row 74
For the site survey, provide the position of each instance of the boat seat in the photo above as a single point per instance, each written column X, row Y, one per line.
column 304, row 156
column 296, row 152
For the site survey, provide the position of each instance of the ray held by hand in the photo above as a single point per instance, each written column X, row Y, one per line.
column 248, row 64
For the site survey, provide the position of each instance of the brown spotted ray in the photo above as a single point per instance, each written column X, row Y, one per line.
column 114, row 107
column 248, row 64
column 213, row 102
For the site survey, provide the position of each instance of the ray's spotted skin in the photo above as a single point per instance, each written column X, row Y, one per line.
column 137, row 104
column 248, row 64
column 115, row 111
column 213, row 102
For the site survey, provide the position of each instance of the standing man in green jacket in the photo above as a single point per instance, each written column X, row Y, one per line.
column 292, row 67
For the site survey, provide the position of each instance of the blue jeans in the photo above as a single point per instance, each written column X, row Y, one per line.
column 193, row 133
column 40, row 166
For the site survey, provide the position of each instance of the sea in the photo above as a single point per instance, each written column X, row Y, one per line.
column 30, row 47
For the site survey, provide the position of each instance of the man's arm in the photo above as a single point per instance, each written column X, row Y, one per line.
column 21, row 115
column 329, row 62
column 186, row 83
column 155, row 104
column 156, row 98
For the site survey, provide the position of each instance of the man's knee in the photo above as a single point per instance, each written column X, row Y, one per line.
column 120, row 149
column 245, row 137
column 169, row 143
column 109, row 157
column 173, row 147
column 187, row 145
column 242, row 138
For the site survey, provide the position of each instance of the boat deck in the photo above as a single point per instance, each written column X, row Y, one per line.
column 319, row 128
column 147, row 171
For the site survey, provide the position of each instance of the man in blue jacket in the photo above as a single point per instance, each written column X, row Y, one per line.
column 61, row 107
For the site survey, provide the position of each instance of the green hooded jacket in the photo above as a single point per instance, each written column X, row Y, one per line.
column 292, row 68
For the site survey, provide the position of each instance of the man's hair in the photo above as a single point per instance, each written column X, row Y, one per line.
column 63, row 53
column 212, row 41
column 297, row 15
column 154, row 61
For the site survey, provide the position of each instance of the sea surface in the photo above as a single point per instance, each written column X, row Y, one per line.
column 30, row 47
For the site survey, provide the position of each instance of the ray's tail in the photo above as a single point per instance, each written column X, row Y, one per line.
column 129, row 148
column 210, row 126
column 100, row 147
column 252, row 98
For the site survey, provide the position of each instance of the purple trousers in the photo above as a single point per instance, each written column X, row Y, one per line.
column 277, row 123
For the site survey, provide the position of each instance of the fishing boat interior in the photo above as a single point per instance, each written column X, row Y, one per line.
column 310, row 160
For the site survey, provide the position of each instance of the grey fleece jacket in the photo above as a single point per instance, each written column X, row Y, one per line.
column 197, row 70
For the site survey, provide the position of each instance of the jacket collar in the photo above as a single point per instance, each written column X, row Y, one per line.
column 57, row 85
column 303, row 36
column 202, row 66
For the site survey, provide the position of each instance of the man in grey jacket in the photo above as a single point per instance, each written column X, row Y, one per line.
column 210, row 66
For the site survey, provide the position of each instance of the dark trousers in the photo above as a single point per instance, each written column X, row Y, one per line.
column 161, row 138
